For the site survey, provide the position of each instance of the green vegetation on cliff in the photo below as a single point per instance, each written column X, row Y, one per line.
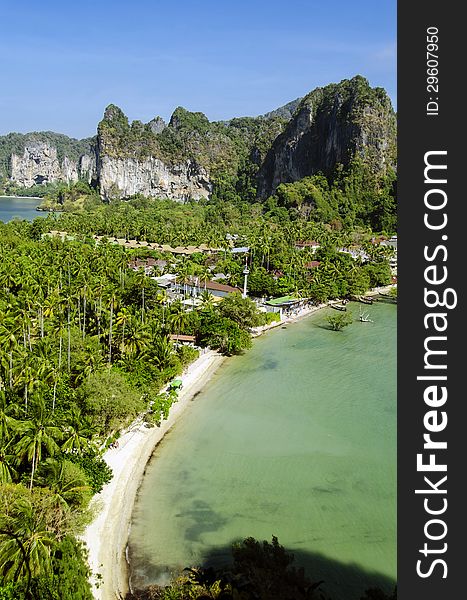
column 331, row 127
column 230, row 152
column 354, row 196
column 343, row 135
column 15, row 143
column 74, row 197
column 330, row 155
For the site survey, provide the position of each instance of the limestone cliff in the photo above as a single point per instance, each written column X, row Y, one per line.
column 330, row 126
column 123, row 177
column 130, row 161
column 191, row 157
column 38, row 164
column 46, row 157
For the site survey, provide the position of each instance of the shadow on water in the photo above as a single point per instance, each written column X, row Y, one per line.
column 340, row 581
column 269, row 365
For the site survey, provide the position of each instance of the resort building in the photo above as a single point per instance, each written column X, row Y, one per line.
column 392, row 243
column 183, row 340
column 218, row 276
column 355, row 253
column 191, row 303
column 310, row 245
column 286, row 306
column 135, row 244
column 196, row 286
column 148, row 264
column 166, row 281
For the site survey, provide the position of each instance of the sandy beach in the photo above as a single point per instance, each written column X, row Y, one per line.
column 106, row 537
column 303, row 312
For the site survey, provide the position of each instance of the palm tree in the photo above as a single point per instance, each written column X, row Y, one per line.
column 162, row 351
column 178, row 318
column 29, row 379
column 85, row 295
column 65, row 481
column 9, row 343
column 184, row 273
column 7, row 460
column 29, row 531
column 37, row 434
column 162, row 299
column 204, row 273
column 112, row 299
column 8, row 424
column 137, row 338
column 122, row 320
column 68, row 322
column 143, row 282
column 207, row 300
column 9, row 278
column 78, row 431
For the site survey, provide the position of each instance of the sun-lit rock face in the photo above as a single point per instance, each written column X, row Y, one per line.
column 123, row 177
column 331, row 126
column 189, row 156
column 40, row 164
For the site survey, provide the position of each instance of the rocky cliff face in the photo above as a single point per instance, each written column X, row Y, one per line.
column 190, row 157
column 123, row 177
column 40, row 164
column 130, row 161
column 331, row 126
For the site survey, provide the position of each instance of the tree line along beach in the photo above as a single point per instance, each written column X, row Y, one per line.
column 129, row 292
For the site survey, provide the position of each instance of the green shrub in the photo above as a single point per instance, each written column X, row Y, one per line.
column 97, row 471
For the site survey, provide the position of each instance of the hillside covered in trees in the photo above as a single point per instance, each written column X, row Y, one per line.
column 87, row 334
column 343, row 136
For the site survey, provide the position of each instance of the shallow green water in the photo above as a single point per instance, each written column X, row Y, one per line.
column 296, row 438
column 22, row 208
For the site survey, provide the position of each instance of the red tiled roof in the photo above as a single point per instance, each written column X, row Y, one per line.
column 213, row 285
column 221, row 287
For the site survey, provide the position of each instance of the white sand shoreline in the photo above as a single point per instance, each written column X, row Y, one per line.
column 106, row 537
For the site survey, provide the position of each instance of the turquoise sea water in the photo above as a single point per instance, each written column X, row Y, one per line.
column 23, row 208
column 296, row 438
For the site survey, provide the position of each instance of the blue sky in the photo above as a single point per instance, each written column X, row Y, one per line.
column 64, row 62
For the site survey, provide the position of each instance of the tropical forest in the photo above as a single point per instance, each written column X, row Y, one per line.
column 98, row 291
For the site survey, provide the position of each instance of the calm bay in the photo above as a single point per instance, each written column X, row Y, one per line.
column 296, row 438
column 12, row 207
